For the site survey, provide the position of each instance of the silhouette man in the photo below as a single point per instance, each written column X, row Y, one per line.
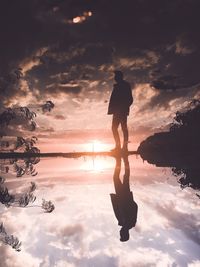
column 124, row 206
column 120, row 101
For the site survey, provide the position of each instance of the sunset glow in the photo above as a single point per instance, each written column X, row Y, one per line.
column 99, row 133
column 96, row 164
column 96, row 146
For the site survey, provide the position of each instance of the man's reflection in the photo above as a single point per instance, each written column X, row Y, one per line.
column 124, row 206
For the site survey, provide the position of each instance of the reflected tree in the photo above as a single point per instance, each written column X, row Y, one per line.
column 10, row 240
column 19, row 166
column 187, row 177
column 25, row 166
column 18, row 200
column 23, row 199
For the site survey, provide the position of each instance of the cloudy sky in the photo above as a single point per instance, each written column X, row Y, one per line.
column 68, row 49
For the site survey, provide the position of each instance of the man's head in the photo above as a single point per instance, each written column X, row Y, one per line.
column 118, row 75
column 124, row 234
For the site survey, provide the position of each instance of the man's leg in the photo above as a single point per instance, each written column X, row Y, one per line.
column 125, row 131
column 115, row 125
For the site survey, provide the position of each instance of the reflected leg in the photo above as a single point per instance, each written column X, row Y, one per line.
column 117, row 182
column 126, row 182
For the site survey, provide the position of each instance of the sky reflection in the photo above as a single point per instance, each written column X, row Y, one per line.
column 83, row 231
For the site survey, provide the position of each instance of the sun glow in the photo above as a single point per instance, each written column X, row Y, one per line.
column 96, row 146
column 97, row 164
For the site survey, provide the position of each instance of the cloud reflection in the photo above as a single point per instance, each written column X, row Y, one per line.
column 82, row 231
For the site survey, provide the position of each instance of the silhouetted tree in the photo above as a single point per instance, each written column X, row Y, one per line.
column 188, row 119
column 179, row 147
column 48, row 106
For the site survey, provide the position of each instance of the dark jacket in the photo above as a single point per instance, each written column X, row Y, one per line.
column 121, row 99
column 125, row 209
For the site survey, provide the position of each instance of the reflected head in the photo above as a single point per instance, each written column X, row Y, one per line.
column 124, row 234
column 118, row 75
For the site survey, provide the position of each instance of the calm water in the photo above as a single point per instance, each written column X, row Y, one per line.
column 83, row 230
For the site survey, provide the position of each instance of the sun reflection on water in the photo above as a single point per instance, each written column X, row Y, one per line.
column 97, row 164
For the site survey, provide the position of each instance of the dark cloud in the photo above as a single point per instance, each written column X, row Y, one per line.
column 11, row 85
column 142, row 131
column 135, row 35
column 54, row 89
column 164, row 98
column 47, row 130
column 179, row 72
column 166, row 82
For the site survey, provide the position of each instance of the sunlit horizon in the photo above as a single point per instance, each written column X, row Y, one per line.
column 96, row 146
column 78, row 145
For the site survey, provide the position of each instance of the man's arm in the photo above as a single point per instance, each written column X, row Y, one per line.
column 113, row 101
column 130, row 96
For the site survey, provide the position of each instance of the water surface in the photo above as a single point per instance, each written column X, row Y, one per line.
column 83, row 230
